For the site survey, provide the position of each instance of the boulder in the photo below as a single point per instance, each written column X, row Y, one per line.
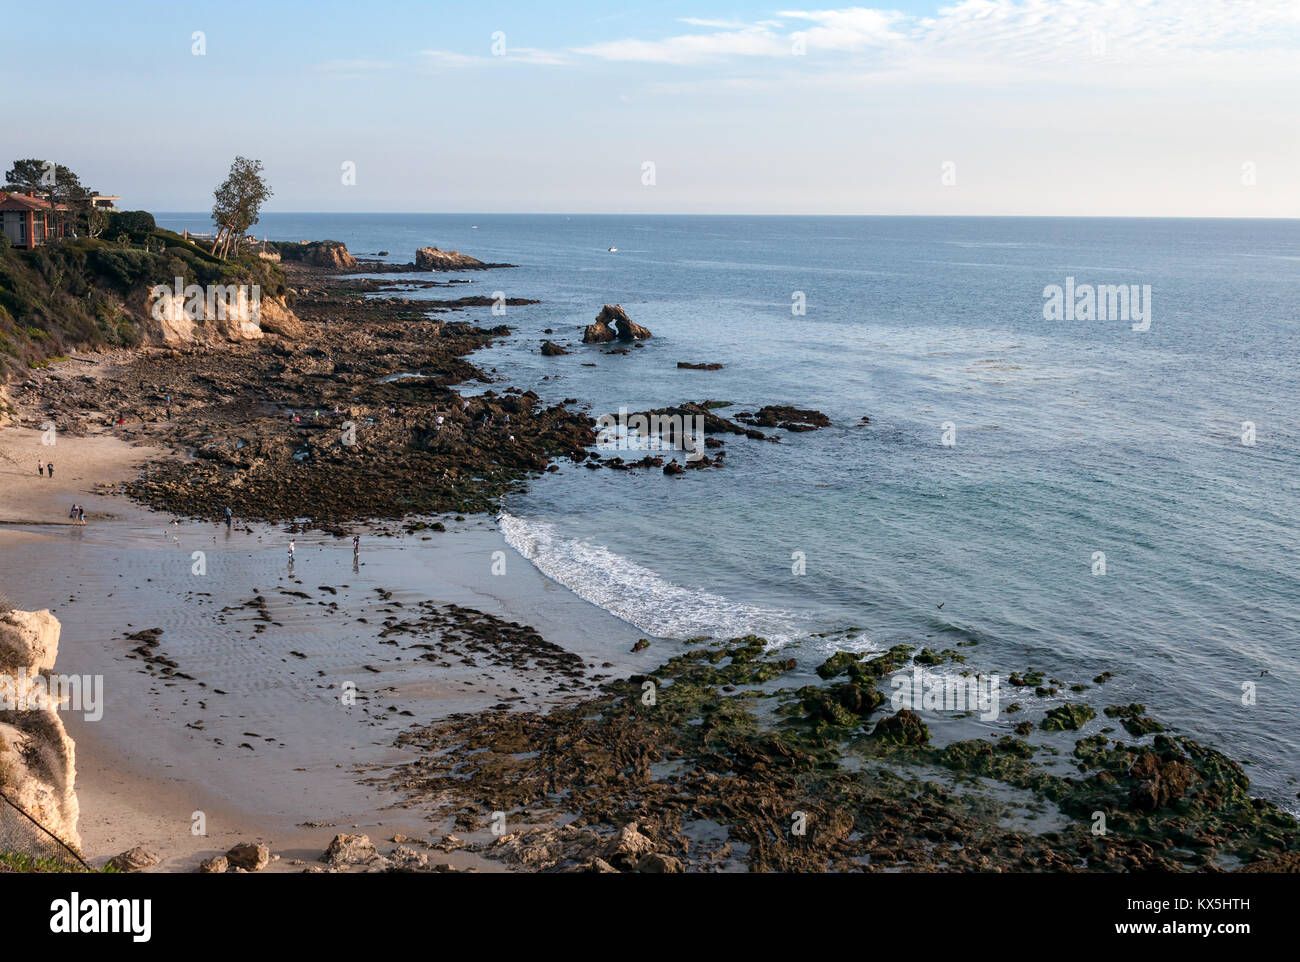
column 215, row 865
column 349, row 850
column 551, row 349
column 627, row 848
column 612, row 323
column 276, row 318
column 132, row 860
column 655, row 863
column 250, row 856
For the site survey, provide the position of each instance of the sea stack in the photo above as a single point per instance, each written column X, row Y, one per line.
column 612, row 323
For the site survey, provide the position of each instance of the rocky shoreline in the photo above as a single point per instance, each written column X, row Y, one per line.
column 349, row 416
column 344, row 410
column 710, row 763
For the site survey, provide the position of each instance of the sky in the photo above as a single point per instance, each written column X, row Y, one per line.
column 978, row 107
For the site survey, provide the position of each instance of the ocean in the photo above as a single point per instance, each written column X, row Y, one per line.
column 1074, row 495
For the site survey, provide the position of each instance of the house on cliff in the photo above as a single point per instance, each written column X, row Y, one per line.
column 29, row 221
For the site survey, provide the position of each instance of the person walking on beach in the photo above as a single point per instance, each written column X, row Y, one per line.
column 40, row 469
column 81, row 515
column 291, row 551
column 49, row 469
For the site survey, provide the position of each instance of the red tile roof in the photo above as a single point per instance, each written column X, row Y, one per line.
column 22, row 202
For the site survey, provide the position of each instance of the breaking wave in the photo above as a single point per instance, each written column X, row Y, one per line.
column 638, row 595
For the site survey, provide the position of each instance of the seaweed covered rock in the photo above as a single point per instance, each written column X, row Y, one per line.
column 1160, row 783
column 1134, row 719
column 904, row 727
column 1067, row 718
column 843, row 704
column 787, row 417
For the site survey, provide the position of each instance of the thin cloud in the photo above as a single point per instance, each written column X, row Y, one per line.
column 352, row 67
column 524, row 55
column 980, row 31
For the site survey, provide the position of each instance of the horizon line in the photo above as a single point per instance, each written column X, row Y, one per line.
column 547, row 213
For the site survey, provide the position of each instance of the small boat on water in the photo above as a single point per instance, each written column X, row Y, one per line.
column 613, row 250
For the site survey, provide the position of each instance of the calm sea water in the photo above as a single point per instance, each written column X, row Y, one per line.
column 1072, row 437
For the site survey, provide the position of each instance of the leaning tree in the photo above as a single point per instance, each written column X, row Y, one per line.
column 238, row 202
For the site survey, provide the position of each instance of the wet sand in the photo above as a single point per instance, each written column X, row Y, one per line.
column 257, row 738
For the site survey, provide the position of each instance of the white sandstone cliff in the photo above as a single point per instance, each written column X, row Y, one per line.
column 37, row 758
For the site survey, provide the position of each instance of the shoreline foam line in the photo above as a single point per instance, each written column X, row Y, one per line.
column 639, row 595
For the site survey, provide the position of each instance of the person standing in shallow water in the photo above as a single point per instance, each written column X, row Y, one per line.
column 229, row 517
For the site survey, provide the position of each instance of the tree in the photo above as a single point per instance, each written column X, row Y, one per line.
column 96, row 221
column 238, row 202
column 131, row 221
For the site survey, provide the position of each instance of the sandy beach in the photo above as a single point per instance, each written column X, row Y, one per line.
column 255, row 737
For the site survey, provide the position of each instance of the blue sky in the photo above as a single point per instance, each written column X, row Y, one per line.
column 1140, row 107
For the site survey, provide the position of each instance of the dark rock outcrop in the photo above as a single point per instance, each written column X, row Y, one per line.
column 551, row 349
column 612, row 323
column 1159, row 782
column 902, row 728
column 327, row 253
column 434, row 259
column 784, row 416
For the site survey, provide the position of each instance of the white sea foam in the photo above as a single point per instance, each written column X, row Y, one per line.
column 638, row 595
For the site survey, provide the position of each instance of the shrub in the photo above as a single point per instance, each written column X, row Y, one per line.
column 130, row 222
